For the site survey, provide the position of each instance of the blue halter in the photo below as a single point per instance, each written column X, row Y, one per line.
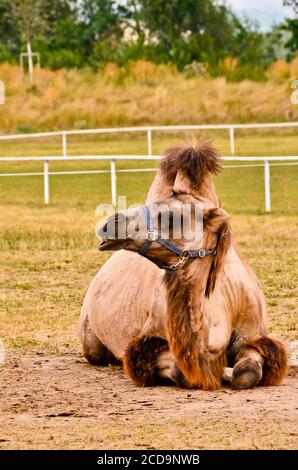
column 152, row 236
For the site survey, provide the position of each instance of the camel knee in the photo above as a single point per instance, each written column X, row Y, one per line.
column 260, row 362
column 275, row 359
column 149, row 362
column 141, row 360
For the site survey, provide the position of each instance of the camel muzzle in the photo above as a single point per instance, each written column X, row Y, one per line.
column 113, row 232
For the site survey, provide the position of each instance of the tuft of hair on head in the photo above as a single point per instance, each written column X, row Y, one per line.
column 193, row 160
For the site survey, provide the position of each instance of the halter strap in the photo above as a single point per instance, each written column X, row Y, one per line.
column 152, row 236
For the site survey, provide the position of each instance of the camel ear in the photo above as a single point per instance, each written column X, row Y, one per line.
column 217, row 220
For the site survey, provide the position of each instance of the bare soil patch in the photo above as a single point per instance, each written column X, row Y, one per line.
column 62, row 402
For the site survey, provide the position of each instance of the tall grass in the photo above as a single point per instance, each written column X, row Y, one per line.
column 142, row 93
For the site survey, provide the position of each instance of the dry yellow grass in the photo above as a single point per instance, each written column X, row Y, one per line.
column 143, row 94
column 281, row 70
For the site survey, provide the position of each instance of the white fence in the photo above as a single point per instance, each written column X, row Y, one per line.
column 265, row 162
column 149, row 130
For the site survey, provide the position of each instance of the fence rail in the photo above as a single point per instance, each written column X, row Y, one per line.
column 265, row 162
column 149, row 131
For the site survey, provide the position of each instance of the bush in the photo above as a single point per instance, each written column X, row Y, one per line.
column 62, row 58
column 25, row 129
column 196, row 69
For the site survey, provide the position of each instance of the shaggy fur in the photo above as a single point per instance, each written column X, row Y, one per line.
column 194, row 160
column 217, row 221
column 188, row 329
column 188, row 337
column 140, row 360
column 275, row 358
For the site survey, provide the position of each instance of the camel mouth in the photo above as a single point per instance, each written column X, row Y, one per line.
column 107, row 244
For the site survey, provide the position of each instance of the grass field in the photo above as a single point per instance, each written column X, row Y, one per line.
column 49, row 254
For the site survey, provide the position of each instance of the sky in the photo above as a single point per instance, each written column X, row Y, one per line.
column 266, row 12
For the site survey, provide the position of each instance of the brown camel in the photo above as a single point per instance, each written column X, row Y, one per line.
column 183, row 315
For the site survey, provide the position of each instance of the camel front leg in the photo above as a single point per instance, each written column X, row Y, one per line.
column 168, row 369
column 260, row 362
column 248, row 370
column 149, row 362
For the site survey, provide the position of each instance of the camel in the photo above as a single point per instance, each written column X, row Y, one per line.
column 178, row 316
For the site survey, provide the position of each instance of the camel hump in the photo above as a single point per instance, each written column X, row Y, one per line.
column 194, row 161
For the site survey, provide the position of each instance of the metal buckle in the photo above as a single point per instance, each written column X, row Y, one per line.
column 182, row 260
column 152, row 235
column 202, row 253
column 185, row 254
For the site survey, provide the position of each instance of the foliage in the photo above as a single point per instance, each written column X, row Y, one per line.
column 292, row 43
column 79, row 33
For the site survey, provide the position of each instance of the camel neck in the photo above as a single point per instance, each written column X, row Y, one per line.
column 188, row 329
column 195, row 275
column 186, row 288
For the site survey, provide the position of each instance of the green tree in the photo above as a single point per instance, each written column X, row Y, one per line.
column 187, row 30
column 29, row 17
column 292, row 27
column 9, row 35
column 100, row 30
column 75, row 33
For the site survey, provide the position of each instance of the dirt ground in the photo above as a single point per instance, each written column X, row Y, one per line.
column 61, row 402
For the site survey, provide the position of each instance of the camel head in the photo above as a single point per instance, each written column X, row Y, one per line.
column 170, row 233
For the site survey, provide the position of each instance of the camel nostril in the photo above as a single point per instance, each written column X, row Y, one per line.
column 114, row 227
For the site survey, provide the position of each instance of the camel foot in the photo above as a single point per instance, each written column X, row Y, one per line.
column 247, row 373
column 176, row 376
column 227, row 375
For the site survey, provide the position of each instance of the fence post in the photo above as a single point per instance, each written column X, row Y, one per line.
column 149, row 142
column 232, row 141
column 64, row 144
column 46, row 182
column 113, row 182
column 267, row 185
